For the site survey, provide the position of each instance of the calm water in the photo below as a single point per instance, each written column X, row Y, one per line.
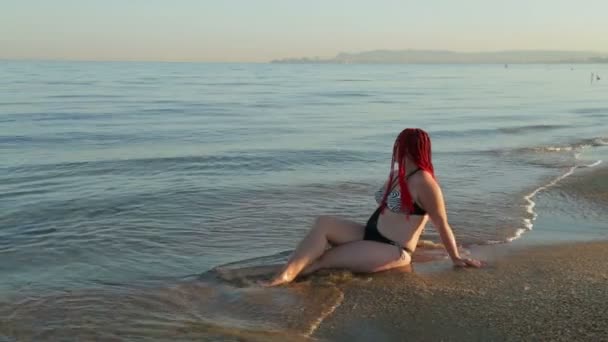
column 116, row 175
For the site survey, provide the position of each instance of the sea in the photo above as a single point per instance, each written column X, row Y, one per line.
column 125, row 186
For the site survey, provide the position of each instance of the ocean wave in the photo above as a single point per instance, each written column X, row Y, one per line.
column 598, row 110
column 235, row 84
column 195, row 310
column 85, row 96
column 599, row 142
column 466, row 133
column 491, row 131
column 16, row 103
column 572, row 163
column 528, row 128
column 68, row 83
column 567, row 147
column 339, row 94
column 230, row 162
column 528, row 222
column 531, row 204
column 594, row 164
column 57, row 116
column 581, row 144
column 69, row 138
column 352, row 80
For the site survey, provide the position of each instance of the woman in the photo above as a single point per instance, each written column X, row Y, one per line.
column 405, row 203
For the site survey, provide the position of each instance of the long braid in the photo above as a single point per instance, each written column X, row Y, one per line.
column 389, row 183
column 406, row 196
column 416, row 144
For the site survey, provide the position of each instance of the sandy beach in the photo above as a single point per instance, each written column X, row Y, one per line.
column 543, row 293
column 538, row 288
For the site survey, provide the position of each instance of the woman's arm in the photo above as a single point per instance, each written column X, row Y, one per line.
column 431, row 198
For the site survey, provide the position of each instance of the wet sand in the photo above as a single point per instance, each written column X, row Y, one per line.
column 590, row 185
column 557, row 293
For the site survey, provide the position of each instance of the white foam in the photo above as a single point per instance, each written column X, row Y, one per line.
column 316, row 323
column 594, row 164
column 575, row 147
column 518, row 233
column 556, row 149
column 529, row 222
column 600, row 141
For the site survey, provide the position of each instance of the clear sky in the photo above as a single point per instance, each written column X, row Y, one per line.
column 262, row 30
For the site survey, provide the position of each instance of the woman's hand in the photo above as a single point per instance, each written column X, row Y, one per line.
column 467, row 262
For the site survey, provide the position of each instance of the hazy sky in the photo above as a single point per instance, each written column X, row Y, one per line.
column 261, row 30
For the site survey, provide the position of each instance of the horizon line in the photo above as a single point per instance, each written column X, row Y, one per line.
column 68, row 59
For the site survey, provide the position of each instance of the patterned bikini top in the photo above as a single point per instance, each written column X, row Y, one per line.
column 393, row 201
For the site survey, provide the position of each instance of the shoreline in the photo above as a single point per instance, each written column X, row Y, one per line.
column 541, row 293
column 534, row 288
column 551, row 284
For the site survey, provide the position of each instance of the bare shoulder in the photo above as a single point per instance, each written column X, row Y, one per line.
column 424, row 185
column 423, row 179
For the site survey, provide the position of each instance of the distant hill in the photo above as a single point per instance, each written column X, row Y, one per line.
column 438, row 56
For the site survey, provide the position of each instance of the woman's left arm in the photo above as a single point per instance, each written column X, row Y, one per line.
column 431, row 198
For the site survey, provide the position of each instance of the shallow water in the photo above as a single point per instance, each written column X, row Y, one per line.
column 118, row 177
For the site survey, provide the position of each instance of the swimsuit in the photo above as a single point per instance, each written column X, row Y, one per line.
column 393, row 202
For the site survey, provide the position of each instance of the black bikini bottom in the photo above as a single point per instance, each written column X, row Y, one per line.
column 373, row 234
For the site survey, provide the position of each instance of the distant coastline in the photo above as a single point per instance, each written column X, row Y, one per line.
column 451, row 57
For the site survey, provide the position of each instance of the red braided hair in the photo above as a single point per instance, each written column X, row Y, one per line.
column 415, row 144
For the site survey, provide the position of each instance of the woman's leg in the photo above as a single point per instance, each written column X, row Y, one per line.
column 362, row 256
column 326, row 231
